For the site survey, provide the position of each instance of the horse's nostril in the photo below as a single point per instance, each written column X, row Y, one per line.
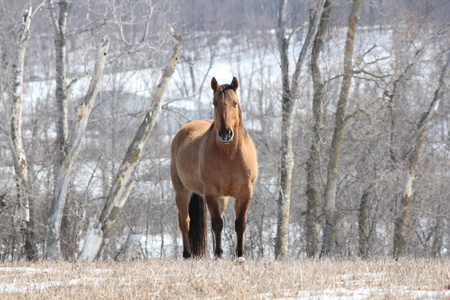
column 226, row 136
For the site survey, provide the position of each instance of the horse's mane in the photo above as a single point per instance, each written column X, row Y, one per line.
column 225, row 87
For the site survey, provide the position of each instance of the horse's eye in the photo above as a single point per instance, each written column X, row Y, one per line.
column 234, row 104
column 214, row 103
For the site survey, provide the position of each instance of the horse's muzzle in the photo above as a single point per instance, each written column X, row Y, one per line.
column 227, row 136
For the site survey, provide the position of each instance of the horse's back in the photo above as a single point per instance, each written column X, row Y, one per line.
column 189, row 135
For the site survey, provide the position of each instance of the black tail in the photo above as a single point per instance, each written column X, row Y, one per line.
column 197, row 228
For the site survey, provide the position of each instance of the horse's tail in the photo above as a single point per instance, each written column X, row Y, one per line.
column 197, row 228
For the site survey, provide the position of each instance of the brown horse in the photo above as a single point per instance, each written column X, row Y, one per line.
column 211, row 160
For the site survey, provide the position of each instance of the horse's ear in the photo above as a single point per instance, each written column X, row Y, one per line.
column 234, row 83
column 214, row 84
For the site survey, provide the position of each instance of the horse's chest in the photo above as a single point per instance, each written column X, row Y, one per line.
column 226, row 178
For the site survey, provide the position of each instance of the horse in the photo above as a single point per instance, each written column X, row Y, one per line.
column 212, row 160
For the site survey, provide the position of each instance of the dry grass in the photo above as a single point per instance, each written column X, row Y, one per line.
column 171, row 279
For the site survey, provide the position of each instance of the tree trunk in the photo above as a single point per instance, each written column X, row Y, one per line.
column 338, row 135
column 129, row 250
column 287, row 157
column 72, row 148
column 401, row 220
column 24, row 198
column 313, row 163
column 59, row 36
column 288, row 100
column 58, row 25
column 122, row 185
column 92, row 241
column 437, row 240
column 362, row 223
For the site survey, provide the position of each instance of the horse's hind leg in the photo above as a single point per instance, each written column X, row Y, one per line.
column 215, row 211
column 223, row 202
column 182, row 200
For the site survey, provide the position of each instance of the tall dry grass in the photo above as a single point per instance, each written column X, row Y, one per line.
column 252, row 279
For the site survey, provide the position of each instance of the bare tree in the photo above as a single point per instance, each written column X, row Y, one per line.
column 340, row 122
column 58, row 25
column 289, row 96
column 122, row 186
column 24, row 196
column 412, row 159
column 313, row 163
column 72, row 148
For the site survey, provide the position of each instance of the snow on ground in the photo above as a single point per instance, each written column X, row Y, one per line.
column 352, row 286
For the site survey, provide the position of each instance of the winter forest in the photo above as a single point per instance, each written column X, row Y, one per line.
column 347, row 103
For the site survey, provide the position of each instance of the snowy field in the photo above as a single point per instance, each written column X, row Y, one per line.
column 226, row 279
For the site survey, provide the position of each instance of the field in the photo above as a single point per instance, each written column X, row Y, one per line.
column 226, row 279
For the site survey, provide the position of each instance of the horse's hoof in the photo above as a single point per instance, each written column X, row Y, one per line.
column 240, row 259
column 186, row 254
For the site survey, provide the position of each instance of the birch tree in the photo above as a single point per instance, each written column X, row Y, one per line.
column 401, row 219
column 59, row 23
column 123, row 185
column 339, row 129
column 24, row 196
column 71, row 149
column 289, row 96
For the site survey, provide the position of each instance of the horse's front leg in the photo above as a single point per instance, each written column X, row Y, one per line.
column 216, row 223
column 240, row 207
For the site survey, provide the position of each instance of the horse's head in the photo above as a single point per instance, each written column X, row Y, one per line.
column 227, row 113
